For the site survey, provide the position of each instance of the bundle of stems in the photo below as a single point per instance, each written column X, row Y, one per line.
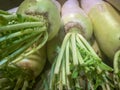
column 31, row 24
column 18, row 32
column 102, row 13
column 21, row 37
column 77, row 66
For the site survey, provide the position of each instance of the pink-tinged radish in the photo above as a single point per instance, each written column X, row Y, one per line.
column 76, row 58
column 106, row 23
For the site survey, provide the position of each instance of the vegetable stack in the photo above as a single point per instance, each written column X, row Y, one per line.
column 72, row 39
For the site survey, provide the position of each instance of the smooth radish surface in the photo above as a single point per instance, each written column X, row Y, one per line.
column 73, row 15
column 34, row 62
column 106, row 22
column 88, row 5
column 57, row 4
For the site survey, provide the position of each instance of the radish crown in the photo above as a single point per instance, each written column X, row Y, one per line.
column 75, row 17
column 45, row 8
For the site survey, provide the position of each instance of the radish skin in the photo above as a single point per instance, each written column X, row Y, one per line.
column 34, row 62
column 53, row 46
column 101, row 14
column 106, row 22
column 57, row 4
column 86, row 28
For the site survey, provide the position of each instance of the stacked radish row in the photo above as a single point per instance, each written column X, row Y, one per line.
column 43, row 32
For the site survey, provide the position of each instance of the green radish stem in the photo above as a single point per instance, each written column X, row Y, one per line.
column 18, row 35
column 73, row 48
column 15, row 54
column 21, row 26
column 102, row 12
column 22, row 49
column 27, row 31
column 77, row 58
column 67, row 59
column 4, row 12
column 23, row 72
column 60, row 55
column 89, row 62
column 19, row 18
column 117, row 69
column 15, row 45
column 47, row 9
column 116, row 62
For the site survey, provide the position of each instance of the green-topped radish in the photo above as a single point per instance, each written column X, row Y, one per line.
column 45, row 8
column 76, row 58
column 36, row 20
column 106, row 23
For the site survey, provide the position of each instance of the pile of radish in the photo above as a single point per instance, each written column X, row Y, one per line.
column 61, row 45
